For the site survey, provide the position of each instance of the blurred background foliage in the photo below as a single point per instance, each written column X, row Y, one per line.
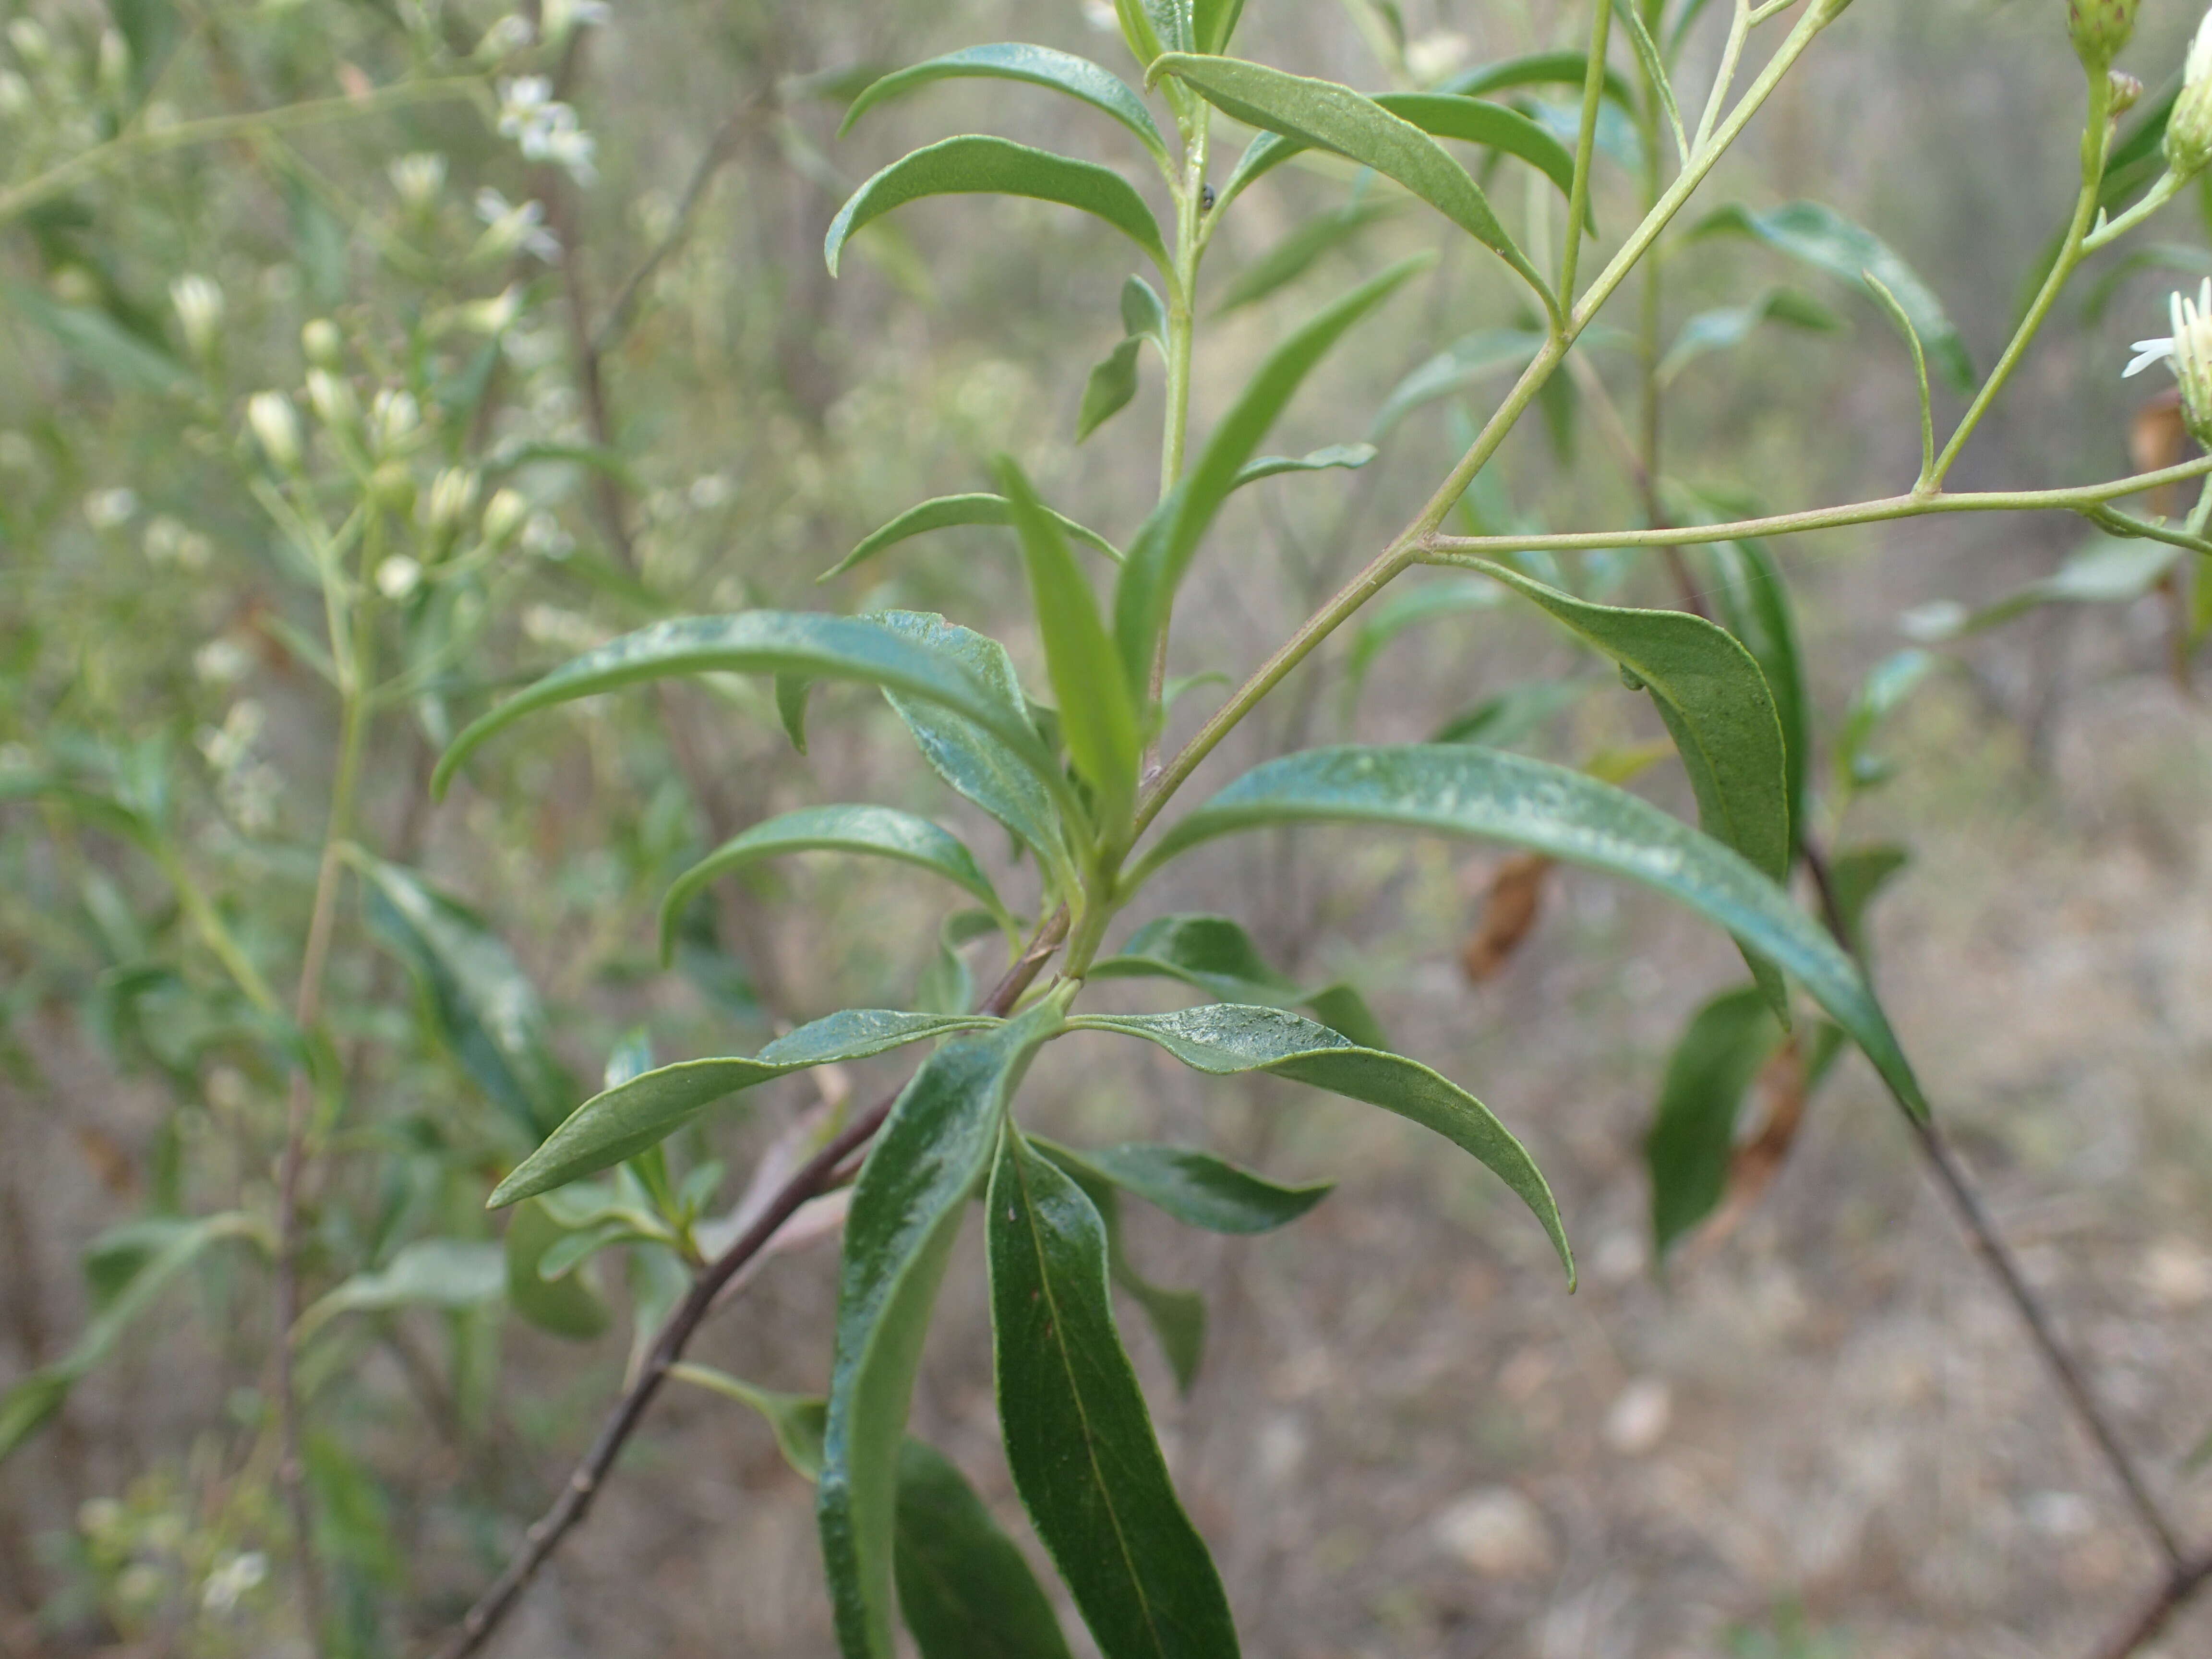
column 1815, row 1436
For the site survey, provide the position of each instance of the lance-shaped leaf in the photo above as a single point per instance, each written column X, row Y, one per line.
column 1215, row 955
column 974, row 165
column 947, row 512
column 1483, row 794
column 1655, row 70
column 2108, row 570
column 1078, row 1438
column 1165, row 547
column 1327, row 116
column 1822, row 238
column 1857, row 876
column 1692, row 1135
column 563, row 1303
column 1212, row 21
column 1493, row 126
column 1539, row 69
column 1349, row 457
column 932, row 1150
column 1097, row 713
column 429, row 1272
column 1754, row 603
column 966, row 755
column 1408, row 605
column 1292, row 257
column 964, row 1588
column 878, row 831
column 1039, row 66
column 623, row 1121
column 1472, row 358
column 769, row 642
column 1506, row 719
column 485, row 1009
column 1197, row 1188
column 1224, row 1039
column 1731, row 325
column 1111, row 386
column 1177, row 1317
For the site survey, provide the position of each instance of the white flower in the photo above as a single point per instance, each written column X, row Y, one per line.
column 543, row 128
column 221, row 662
column 512, row 225
column 2188, row 349
column 104, row 509
column 231, row 1581
column 276, row 427
column 397, row 577
column 511, row 33
column 503, row 515
column 417, row 178
column 198, row 301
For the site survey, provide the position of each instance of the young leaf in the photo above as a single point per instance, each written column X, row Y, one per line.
column 1731, row 325
column 966, row 756
column 1323, row 115
column 977, row 165
column 1454, row 790
column 946, row 512
column 1212, row 21
column 1164, row 549
column 906, row 1210
column 1199, row 1189
column 1215, row 955
column 1348, row 457
column 769, row 642
column 1078, row 1438
column 1112, row 384
column 881, row 832
column 565, row 1305
column 1472, row 358
column 964, row 1589
column 1144, row 313
column 101, row 343
column 1406, row 606
column 1295, row 255
column 624, row 1120
column 1754, row 603
column 1884, row 690
column 1097, row 713
column 1039, row 66
column 1654, row 71
column 485, row 1008
column 1694, row 1133
column 1224, row 1039
column 1501, row 721
column 791, row 694
column 2107, row 570
column 1539, row 69
column 1475, row 121
column 431, row 1272
column 1821, row 237
column 1856, row 878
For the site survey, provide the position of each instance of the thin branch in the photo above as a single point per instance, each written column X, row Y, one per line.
column 719, row 149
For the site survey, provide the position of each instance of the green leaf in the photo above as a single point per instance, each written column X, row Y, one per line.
column 1493, row 126
column 1199, row 1189
column 1215, row 955
column 1856, row 878
column 964, row 1588
column 484, row 1007
column 1144, row 313
column 160, row 1249
column 791, row 692
column 1539, row 69
column 1821, row 237
column 1692, row 1139
column 1039, row 66
column 1177, row 1317
column 1323, row 115
column 1883, row 692
column 1346, row 457
column 1098, row 714
column 1731, row 325
column 1455, row 790
column 1654, row 71
column 975, row 164
column 1473, row 358
column 1295, row 254
column 1212, row 21
column 880, row 831
column 906, row 1212
column 1407, row 606
column 969, row 758
column 946, row 512
column 430, row 1273
column 2107, row 570
column 101, row 343
column 1224, row 1039
column 1079, row 1437
column 565, row 1305
column 1501, row 721
column 625, row 1120
column 1753, row 602
column 769, row 642
column 1164, row 549
column 1112, row 384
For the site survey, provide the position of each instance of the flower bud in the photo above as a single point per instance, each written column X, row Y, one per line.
column 199, row 313
column 503, row 515
column 2100, row 29
column 2193, row 361
column 397, row 577
column 2189, row 129
column 332, row 397
column 28, row 37
column 322, row 343
column 276, row 429
column 2127, row 92
column 417, row 178
column 112, row 66
column 391, row 487
column 398, row 419
column 453, row 493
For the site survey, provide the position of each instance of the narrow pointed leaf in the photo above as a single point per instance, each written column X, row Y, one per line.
column 1164, row 549
column 1654, row 71
column 1097, row 713
column 564, row 1303
column 1200, row 1190
column 768, row 642
column 1731, row 325
column 1112, row 385
column 977, row 165
column 1539, row 69
column 1466, row 361
column 1501, row 721
column 1857, row 877
column 1177, row 1317
column 906, row 1210
column 1212, row 21
column 791, row 694
column 1692, row 1137
column 1224, row 1039
column 797, row 1420
column 1039, row 66
column 1476, row 121
column 879, row 831
column 1349, row 457
column 1462, row 791
column 1295, row 254
column 1327, row 116
column 625, row 1120
column 947, row 512
column 430, row 1273
column 1079, row 1437
column 1754, row 603
column 1821, row 237
column 1215, row 955
column 964, row 1589
column 1144, row 313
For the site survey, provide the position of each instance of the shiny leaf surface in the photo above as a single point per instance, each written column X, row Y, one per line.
column 1039, row 66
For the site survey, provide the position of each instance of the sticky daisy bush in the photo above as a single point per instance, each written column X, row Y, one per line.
column 400, row 477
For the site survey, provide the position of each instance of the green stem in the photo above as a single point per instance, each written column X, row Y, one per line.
column 208, row 922
column 1724, row 77
column 2094, row 138
column 2168, row 187
column 213, row 128
column 1586, row 144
